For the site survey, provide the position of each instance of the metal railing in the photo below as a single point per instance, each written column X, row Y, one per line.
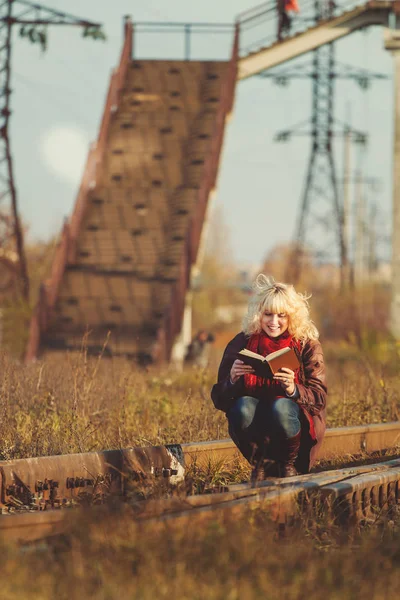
column 258, row 27
column 182, row 41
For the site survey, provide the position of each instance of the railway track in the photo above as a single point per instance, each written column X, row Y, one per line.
column 338, row 442
column 36, row 493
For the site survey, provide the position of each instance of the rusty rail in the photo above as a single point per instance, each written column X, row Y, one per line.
column 38, row 485
column 58, row 481
column 338, row 442
column 351, row 495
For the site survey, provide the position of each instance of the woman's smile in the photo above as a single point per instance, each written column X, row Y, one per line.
column 274, row 324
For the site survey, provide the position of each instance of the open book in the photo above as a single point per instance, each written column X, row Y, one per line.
column 266, row 366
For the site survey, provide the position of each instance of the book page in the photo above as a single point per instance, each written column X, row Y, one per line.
column 252, row 354
column 278, row 353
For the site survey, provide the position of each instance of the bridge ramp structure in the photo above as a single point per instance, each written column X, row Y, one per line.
column 124, row 261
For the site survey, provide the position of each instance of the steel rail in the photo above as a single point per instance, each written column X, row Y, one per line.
column 338, row 441
column 353, row 493
column 59, row 480
column 349, row 494
column 272, row 487
column 33, row 487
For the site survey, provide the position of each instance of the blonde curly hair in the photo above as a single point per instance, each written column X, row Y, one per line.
column 279, row 298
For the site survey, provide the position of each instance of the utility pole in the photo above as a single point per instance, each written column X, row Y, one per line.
column 346, row 203
column 364, row 229
column 392, row 44
column 372, row 240
column 32, row 21
column 359, row 233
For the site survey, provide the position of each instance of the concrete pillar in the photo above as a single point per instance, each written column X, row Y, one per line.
column 185, row 336
column 392, row 43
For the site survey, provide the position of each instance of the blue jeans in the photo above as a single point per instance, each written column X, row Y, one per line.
column 257, row 427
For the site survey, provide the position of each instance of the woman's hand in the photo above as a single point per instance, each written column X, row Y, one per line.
column 238, row 369
column 285, row 377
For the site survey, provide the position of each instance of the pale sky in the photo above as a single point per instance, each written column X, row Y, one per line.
column 58, row 100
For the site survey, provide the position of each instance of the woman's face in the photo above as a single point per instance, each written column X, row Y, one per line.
column 274, row 324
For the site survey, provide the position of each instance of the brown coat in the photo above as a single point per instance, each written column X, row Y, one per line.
column 312, row 389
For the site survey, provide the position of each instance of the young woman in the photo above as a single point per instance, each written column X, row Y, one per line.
column 277, row 423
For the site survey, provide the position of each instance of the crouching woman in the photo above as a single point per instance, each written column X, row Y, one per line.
column 278, row 422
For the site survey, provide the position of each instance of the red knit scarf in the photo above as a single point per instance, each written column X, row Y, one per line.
column 263, row 344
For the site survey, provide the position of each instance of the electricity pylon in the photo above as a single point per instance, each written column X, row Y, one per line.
column 320, row 227
column 32, row 21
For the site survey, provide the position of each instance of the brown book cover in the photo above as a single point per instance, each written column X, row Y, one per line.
column 266, row 366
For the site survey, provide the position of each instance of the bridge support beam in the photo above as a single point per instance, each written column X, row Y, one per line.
column 185, row 336
column 392, row 44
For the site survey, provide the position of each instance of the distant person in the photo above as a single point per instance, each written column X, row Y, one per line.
column 284, row 20
column 199, row 349
column 277, row 423
column 332, row 6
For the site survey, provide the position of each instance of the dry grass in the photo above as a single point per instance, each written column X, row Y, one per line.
column 72, row 404
column 363, row 383
column 242, row 558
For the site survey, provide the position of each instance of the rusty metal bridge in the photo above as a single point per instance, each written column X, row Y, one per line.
column 122, row 271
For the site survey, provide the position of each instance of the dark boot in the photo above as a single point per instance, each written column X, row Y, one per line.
column 257, row 462
column 288, row 456
column 257, row 474
column 264, row 466
column 263, row 470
